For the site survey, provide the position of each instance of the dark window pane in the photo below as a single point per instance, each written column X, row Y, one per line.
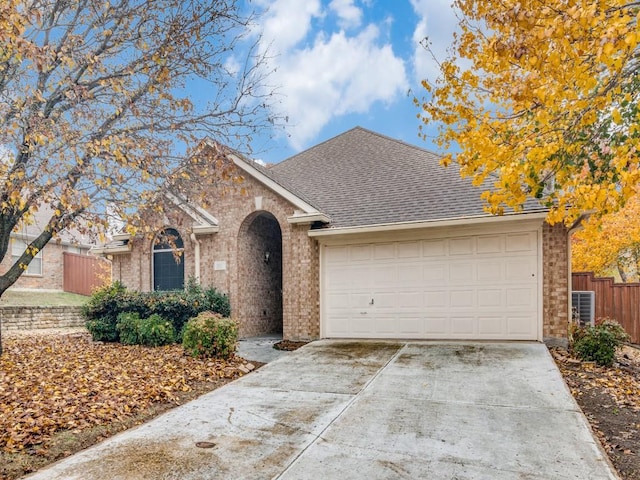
column 168, row 272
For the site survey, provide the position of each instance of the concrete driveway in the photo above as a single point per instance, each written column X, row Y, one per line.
column 367, row 410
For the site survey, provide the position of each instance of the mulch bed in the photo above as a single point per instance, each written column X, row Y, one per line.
column 288, row 345
column 610, row 399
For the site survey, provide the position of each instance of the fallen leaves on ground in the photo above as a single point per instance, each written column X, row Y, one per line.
column 52, row 383
column 621, row 383
column 610, row 399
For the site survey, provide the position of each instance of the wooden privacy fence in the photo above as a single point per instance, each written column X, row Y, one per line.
column 620, row 301
column 84, row 273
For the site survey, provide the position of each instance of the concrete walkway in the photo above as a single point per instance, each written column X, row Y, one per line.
column 260, row 349
column 367, row 410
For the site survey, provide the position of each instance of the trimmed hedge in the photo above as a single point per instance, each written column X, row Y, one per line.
column 102, row 310
column 210, row 335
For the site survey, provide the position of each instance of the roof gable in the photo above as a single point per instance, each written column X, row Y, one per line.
column 363, row 178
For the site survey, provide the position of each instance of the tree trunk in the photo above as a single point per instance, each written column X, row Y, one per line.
column 10, row 277
column 621, row 271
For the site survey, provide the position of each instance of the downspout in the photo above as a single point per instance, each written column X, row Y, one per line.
column 196, row 256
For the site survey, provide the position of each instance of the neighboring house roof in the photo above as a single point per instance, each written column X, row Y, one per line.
column 69, row 236
column 363, row 178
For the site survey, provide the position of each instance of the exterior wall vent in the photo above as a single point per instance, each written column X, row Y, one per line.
column 583, row 307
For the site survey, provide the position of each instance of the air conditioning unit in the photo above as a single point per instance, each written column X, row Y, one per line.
column 583, row 306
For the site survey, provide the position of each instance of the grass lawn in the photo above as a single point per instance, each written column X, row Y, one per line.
column 43, row 299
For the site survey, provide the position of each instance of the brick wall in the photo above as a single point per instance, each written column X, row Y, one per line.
column 31, row 318
column 555, row 281
column 52, row 277
column 227, row 265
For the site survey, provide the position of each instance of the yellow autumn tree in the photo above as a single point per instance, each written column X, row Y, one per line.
column 610, row 244
column 94, row 112
column 540, row 99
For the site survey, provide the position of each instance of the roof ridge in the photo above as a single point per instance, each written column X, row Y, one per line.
column 356, row 128
column 402, row 142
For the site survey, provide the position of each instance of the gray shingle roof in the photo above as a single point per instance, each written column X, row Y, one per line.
column 363, row 178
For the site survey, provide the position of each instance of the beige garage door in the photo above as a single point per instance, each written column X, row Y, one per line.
column 467, row 287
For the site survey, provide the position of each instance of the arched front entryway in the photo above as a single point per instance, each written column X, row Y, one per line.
column 259, row 307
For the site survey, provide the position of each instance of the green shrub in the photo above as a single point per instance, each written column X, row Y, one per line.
column 173, row 306
column 210, row 335
column 102, row 330
column 155, row 331
column 217, row 302
column 101, row 312
column 128, row 327
column 177, row 306
column 598, row 344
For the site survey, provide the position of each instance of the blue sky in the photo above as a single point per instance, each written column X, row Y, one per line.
column 343, row 63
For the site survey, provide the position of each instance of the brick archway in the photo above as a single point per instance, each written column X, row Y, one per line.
column 259, row 303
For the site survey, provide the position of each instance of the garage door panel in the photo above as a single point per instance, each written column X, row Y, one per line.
column 410, row 326
column 489, row 244
column 461, row 298
column 490, row 298
column 491, row 325
column 339, row 301
column 434, row 248
column 471, row 287
column 461, row 246
column 358, row 253
column 489, row 271
column 409, row 250
column 436, row 326
column 436, row 299
column 411, row 299
column 463, row 325
column 361, row 301
column 520, row 297
column 337, row 256
column 409, row 274
column 384, row 275
column 387, row 300
column 461, row 273
column 519, row 325
column 520, row 269
column 521, row 242
column 435, row 274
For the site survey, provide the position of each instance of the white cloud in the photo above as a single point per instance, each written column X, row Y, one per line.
column 287, row 22
column 323, row 75
column 348, row 13
column 437, row 22
column 233, row 66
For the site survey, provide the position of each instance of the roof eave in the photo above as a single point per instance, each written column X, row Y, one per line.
column 446, row 222
column 106, row 250
column 205, row 229
column 308, row 218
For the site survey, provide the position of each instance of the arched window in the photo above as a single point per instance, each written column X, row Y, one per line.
column 168, row 264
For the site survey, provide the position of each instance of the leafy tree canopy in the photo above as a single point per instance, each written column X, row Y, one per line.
column 94, row 113
column 541, row 97
column 610, row 244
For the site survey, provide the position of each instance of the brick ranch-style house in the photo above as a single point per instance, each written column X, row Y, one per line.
column 362, row 236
